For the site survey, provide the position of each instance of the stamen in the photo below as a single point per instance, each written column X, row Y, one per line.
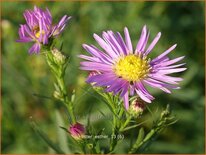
column 132, row 67
column 37, row 32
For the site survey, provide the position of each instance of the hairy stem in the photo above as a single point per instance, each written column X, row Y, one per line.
column 66, row 100
column 58, row 71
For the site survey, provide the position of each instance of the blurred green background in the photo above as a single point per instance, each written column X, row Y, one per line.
column 25, row 75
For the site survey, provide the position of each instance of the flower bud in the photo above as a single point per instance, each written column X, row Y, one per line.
column 137, row 107
column 59, row 58
column 77, row 131
column 91, row 74
column 90, row 146
column 57, row 95
column 166, row 112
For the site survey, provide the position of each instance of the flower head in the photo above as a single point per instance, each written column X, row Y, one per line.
column 39, row 28
column 77, row 131
column 126, row 71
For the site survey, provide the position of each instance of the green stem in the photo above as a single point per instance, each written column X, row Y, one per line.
column 66, row 101
column 121, row 112
column 137, row 145
column 58, row 72
column 113, row 142
column 125, row 124
column 116, row 128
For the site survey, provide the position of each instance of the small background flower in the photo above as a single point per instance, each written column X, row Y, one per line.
column 39, row 28
column 23, row 75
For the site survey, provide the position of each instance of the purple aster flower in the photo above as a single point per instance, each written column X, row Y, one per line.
column 39, row 28
column 126, row 71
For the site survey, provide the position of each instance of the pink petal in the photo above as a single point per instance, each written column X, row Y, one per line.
column 141, row 41
column 154, row 42
column 128, row 40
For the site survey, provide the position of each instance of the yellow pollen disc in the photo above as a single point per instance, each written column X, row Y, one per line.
column 38, row 33
column 132, row 68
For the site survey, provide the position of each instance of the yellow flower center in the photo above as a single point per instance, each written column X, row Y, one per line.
column 37, row 31
column 132, row 68
column 37, row 34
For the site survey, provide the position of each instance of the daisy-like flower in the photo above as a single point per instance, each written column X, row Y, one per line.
column 39, row 28
column 120, row 69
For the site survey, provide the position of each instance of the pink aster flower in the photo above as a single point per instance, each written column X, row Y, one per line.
column 39, row 28
column 77, row 131
column 126, row 71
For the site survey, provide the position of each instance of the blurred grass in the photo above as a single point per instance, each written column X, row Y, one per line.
column 24, row 75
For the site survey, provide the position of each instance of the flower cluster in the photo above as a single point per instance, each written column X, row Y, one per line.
column 124, row 70
column 39, row 28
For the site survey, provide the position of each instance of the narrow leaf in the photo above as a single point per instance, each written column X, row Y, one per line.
column 62, row 136
column 133, row 126
column 54, row 146
column 42, row 96
column 138, row 141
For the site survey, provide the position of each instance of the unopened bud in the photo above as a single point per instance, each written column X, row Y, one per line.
column 137, row 107
column 59, row 58
column 77, row 131
column 90, row 146
column 166, row 112
column 57, row 95
column 91, row 74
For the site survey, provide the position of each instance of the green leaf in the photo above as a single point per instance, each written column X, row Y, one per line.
column 140, row 135
column 42, row 96
column 138, row 141
column 61, row 46
column 102, row 113
column 62, row 136
column 73, row 96
column 133, row 126
column 109, row 103
column 65, row 129
column 54, row 146
column 56, row 86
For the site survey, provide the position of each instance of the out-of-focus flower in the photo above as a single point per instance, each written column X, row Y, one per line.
column 39, row 28
column 77, row 131
column 126, row 71
column 137, row 107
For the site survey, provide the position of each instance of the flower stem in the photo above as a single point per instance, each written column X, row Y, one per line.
column 138, row 144
column 66, row 101
column 125, row 124
column 116, row 129
column 113, row 141
column 58, row 71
